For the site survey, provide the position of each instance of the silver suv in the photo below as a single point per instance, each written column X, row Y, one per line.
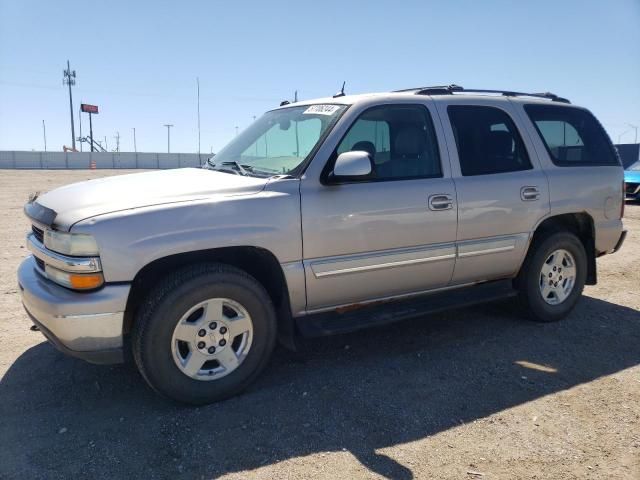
column 325, row 216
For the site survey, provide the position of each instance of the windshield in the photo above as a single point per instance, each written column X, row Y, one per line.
column 635, row 166
column 278, row 142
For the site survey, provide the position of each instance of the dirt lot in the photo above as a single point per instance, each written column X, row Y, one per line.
column 475, row 390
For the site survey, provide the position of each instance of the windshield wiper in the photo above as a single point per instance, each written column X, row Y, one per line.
column 238, row 168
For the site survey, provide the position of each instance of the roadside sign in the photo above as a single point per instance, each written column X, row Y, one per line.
column 85, row 107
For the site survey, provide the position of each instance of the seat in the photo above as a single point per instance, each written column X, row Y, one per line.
column 499, row 151
column 408, row 154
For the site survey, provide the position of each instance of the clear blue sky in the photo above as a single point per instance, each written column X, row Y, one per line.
column 138, row 60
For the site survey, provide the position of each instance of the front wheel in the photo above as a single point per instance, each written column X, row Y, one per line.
column 204, row 334
column 553, row 275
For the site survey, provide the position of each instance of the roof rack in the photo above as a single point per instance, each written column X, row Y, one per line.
column 451, row 89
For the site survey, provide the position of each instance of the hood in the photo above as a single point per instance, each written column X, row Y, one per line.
column 632, row 176
column 79, row 201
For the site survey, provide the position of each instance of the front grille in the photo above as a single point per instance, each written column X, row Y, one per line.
column 39, row 234
column 40, row 263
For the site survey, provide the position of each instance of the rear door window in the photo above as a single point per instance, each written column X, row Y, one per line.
column 487, row 140
column 572, row 136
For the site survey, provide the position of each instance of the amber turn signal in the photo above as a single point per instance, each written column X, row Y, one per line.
column 85, row 282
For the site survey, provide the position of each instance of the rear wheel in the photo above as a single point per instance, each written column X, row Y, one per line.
column 553, row 275
column 204, row 334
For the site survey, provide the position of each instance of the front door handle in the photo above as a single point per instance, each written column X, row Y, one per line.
column 530, row 193
column 440, row 201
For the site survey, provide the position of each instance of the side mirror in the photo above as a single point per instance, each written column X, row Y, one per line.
column 356, row 165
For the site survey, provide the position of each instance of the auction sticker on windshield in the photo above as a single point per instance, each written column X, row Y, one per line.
column 322, row 109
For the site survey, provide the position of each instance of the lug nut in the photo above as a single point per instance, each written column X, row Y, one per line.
column 202, row 333
column 550, row 274
column 560, row 278
column 222, row 342
column 554, row 269
column 213, row 325
column 223, row 330
column 201, row 345
column 212, row 350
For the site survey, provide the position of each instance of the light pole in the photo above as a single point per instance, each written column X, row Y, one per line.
column 135, row 148
column 198, row 87
column 623, row 133
column 168, row 125
column 635, row 127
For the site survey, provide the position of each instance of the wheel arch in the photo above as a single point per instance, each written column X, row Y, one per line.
column 580, row 224
column 258, row 262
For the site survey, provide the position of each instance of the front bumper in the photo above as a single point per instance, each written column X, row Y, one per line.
column 632, row 191
column 86, row 325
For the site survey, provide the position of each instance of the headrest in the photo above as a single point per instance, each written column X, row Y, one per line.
column 409, row 141
column 364, row 146
column 499, row 143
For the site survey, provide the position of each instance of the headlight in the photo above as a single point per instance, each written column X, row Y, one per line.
column 73, row 244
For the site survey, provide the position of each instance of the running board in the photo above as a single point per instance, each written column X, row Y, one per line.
column 352, row 318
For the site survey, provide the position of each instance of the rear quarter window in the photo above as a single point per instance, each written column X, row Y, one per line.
column 572, row 136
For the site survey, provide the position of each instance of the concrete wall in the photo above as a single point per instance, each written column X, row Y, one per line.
column 77, row 160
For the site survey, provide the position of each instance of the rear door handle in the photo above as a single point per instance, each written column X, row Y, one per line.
column 530, row 193
column 440, row 201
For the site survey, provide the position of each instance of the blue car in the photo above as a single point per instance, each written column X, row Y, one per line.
column 632, row 181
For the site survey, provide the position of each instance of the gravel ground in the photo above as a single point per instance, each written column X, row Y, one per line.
column 473, row 393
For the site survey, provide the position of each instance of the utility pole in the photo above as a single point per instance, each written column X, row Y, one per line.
column 44, row 134
column 168, row 136
column 635, row 127
column 135, row 148
column 70, row 80
column 117, row 137
column 106, row 145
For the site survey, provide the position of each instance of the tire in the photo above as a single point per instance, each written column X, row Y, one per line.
column 532, row 285
column 184, row 302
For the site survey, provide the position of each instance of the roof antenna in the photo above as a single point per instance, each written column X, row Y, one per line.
column 341, row 92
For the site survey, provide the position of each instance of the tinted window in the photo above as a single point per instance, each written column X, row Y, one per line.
column 572, row 136
column 487, row 141
column 399, row 138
